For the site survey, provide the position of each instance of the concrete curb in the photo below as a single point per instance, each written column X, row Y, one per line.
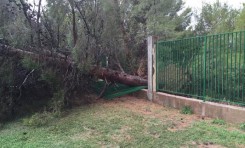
column 232, row 114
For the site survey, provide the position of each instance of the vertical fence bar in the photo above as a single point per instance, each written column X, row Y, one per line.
column 213, row 85
column 205, row 69
column 194, row 68
column 222, row 62
column 231, row 74
column 235, row 79
column 201, row 65
column 165, row 66
column 208, row 62
column 198, row 67
column 227, row 67
column 168, row 67
column 171, row 66
column 182, row 61
column 240, row 57
column 243, row 80
column 178, row 65
column 221, row 65
column 216, row 66
column 157, row 67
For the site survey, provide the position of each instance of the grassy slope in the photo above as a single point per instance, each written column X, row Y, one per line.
column 103, row 125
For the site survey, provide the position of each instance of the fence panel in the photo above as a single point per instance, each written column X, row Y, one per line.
column 207, row 67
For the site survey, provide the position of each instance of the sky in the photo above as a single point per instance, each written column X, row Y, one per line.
column 197, row 4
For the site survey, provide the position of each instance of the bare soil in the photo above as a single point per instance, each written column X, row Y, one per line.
column 173, row 117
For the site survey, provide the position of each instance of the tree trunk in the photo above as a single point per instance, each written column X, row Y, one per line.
column 74, row 28
column 122, row 27
column 117, row 76
column 24, row 8
column 38, row 24
column 102, row 73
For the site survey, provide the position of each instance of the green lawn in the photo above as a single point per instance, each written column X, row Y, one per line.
column 125, row 122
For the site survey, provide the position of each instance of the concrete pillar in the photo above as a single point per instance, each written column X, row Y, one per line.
column 151, row 66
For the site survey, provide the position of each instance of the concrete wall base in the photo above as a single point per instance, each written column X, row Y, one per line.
column 228, row 113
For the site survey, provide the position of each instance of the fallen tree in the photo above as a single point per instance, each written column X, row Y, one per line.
column 66, row 62
column 117, row 76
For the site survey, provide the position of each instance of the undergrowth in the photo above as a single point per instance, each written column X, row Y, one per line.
column 38, row 119
column 218, row 121
column 242, row 126
column 187, row 110
column 30, row 64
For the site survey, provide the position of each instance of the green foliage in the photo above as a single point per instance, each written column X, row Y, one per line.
column 38, row 119
column 242, row 126
column 6, row 81
column 21, row 36
column 187, row 110
column 216, row 18
column 57, row 103
column 29, row 63
column 240, row 20
column 6, row 71
column 50, row 77
column 218, row 122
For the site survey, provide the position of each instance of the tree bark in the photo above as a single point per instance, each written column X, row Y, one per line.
column 74, row 28
column 117, row 76
column 122, row 27
column 25, row 9
column 38, row 24
column 102, row 73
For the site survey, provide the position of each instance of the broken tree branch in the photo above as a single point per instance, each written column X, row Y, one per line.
column 102, row 73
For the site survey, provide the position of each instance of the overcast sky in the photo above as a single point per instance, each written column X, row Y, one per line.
column 197, row 4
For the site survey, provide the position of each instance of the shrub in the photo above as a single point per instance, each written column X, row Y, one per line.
column 7, row 98
column 218, row 122
column 242, row 126
column 187, row 110
column 38, row 119
column 57, row 103
column 50, row 77
column 30, row 64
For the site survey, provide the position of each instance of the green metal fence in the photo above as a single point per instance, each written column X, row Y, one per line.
column 206, row 67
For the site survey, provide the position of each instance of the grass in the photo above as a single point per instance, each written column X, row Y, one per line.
column 117, row 125
column 242, row 126
column 218, row 122
column 187, row 110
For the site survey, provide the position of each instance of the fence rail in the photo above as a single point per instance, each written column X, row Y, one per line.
column 206, row 67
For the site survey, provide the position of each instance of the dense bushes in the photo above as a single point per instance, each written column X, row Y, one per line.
column 27, row 86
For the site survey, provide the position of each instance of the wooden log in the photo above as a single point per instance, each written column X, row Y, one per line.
column 102, row 73
column 117, row 76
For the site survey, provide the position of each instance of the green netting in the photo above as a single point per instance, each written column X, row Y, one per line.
column 115, row 90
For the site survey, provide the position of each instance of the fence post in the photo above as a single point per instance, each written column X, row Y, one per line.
column 151, row 66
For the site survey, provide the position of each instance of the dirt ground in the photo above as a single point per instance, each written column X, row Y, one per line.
column 172, row 116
